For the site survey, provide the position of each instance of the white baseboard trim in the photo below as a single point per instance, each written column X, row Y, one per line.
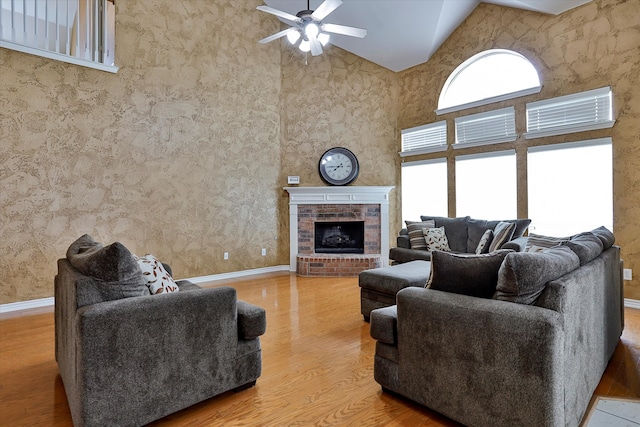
column 632, row 303
column 48, row 302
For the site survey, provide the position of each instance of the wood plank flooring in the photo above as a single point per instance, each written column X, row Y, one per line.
column 317, row 365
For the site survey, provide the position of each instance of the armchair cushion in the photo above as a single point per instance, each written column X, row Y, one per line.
column 116, row 273
column 467, row 274
column 523, row 275
column 606, row 237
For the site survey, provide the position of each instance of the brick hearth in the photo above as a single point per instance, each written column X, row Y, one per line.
column 309, row 205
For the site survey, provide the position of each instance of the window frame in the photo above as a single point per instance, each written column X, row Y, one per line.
column 490, row 100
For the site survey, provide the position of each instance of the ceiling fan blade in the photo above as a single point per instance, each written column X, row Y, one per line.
column 276, row 35
column 344, row 30
column 281, row 14
column 316, row 47
column 325, row 9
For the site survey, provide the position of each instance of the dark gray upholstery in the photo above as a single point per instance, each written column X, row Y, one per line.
column 130, row 361
column 485, row 362
column 379, row 286
column 463, row 235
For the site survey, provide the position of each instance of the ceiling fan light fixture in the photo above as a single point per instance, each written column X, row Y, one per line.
column 305, row 45
column 311, row 30
column 323, row 38
column 293, row 36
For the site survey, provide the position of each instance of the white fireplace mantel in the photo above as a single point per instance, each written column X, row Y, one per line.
column 338, row 195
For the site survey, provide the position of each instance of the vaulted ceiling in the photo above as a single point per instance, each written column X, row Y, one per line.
column 404, row 33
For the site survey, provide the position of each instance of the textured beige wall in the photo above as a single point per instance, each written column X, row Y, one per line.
column 184, row 152
column 338, row 100
column 592, row 46
column 177, row 154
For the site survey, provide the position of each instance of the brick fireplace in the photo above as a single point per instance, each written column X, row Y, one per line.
column 338, row 207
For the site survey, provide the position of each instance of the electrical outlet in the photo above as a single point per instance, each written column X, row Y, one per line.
column 264, row 251
column 226, row 255
column 626, row 274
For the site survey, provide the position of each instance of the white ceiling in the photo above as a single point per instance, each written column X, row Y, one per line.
column 404, row 33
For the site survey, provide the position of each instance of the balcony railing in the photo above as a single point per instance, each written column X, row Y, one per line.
column 80, row 32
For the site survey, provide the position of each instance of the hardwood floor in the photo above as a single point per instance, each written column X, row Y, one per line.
column 317, row 365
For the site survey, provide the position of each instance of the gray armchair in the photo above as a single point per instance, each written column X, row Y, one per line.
column 130, row 361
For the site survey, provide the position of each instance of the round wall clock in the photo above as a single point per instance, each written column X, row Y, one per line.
column 338, row 166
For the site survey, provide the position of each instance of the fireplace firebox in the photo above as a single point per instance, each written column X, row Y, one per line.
column 339, row 237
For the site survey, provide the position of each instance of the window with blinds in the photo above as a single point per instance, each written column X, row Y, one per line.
column 424, row 139
column 490, row 127
column 578, row 112
column 80, row 32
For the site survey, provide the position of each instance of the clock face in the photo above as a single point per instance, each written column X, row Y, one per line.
column 338, row 166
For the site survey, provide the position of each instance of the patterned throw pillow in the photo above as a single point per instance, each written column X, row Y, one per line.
column 436, row 239
column 485, row 242
column 158, row 280
column 501, row 235
column 416, row 234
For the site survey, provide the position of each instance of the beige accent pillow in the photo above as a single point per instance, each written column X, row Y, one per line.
column 158, row 280
column 436, row 239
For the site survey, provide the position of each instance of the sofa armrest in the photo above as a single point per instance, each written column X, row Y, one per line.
column 403, row 241
column 516, row 244
column 252, row 320
column 468, row 358
column 384, row 324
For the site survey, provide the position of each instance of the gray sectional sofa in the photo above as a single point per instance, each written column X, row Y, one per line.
column 463, row 234
column 532, row 355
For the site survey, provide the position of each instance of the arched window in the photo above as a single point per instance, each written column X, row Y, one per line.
column 490, row 76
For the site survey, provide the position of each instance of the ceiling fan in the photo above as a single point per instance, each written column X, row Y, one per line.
column 308, row 28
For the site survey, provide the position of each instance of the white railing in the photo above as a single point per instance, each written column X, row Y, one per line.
column 80, row 32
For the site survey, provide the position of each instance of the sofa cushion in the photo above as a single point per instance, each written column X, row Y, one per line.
column 477, row 227
column 586, row 245
column 467, row 274
column 455, row 228
column 606, row 237
column 436, row 239
column 116, row 272
column 157, row 278
column 416, row 235
column 501, row 234
column 485, row 242
column 523, row 275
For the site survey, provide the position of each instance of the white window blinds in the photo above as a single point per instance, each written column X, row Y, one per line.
column 578, row 112
column 486, row 128
column 424, row 139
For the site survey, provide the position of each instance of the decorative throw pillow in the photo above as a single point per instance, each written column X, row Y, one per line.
column 416, row 234
column 436, row 239
column 158, row 280
column 537, row 241
column 467, row 274
column 457, row 230
column 501, row 234
column 116, row 273
column 586, row 245
column 524, row 275
column 485, row 242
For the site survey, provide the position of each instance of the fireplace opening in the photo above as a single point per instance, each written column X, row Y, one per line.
column 339, row 237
